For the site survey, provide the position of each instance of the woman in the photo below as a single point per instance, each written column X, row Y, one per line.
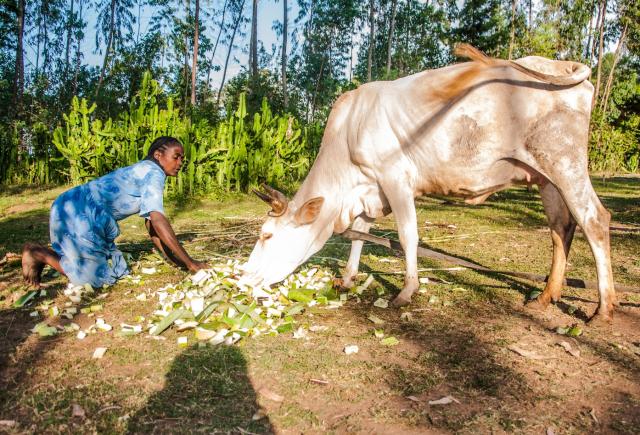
column 83, row 222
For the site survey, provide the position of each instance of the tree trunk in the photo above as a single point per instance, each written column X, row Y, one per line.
column 69, row 38
column 603, row 10
column 18, row 79
column 109, row 42
column 194, row 66
column 226, row 62
column 186, row 60
column 597, row 27
column 45, row 42
column 315, row 93
column 616, row 58
column 284, row 52
column 590, row 32
column 253, row 48
column 38, row 39
column 371, row 42
column 607, row 90
column 139, row 13
column 530, row 15
column 215, row 47
column 77, row 68
column 351, row 55
column 394, row 8
column 514, row 5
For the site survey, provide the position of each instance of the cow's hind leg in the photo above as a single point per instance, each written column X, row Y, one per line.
column 558, row 144
column 562, row 227
column 360, row 223
column 594, row 220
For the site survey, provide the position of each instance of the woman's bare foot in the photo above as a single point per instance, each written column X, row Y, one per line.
column 34, row 258
column 32, row 263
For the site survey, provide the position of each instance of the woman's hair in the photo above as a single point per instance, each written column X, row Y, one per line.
column 161, row 144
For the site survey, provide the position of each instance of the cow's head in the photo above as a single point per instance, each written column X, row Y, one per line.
column 290, row 235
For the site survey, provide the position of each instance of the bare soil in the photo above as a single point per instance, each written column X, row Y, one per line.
column 457, row 340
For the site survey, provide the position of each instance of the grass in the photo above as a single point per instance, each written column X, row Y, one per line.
column 455, row 341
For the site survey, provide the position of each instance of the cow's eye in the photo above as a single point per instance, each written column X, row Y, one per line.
column 265, row 236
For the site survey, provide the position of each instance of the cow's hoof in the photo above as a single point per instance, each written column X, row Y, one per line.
column 343, row 283
column 400, row 301
column 535, row 305
column 600, row 321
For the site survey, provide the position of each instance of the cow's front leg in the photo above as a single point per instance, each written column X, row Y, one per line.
column 403, row 208
column 361, row 223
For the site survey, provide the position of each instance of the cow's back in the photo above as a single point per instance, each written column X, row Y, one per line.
column 451, row 146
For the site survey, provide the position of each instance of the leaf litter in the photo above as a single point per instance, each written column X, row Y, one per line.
column 219, row 306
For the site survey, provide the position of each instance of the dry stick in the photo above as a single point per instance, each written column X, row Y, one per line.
column 425, row 252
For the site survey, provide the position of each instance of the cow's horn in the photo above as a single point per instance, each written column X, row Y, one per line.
column 266, row 198
column 276, row 199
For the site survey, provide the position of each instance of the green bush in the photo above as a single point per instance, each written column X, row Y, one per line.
column 235, row 154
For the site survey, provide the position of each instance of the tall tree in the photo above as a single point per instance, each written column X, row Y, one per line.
column 512, row 36
column 70, row 23
column 215, row 46
column 482, row 24
column 285, row 36
column 603, row 13
column 194, row 65
column 18, row 80
column 112, row 24
column 394, row 9
column 253, row 45
column 236, row 25
column 114, row 16
column 78, row 57
column 372, row 25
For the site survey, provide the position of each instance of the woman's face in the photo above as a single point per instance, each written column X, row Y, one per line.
column 170, row 159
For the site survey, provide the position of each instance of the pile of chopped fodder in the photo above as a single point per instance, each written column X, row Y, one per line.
column 221, row 307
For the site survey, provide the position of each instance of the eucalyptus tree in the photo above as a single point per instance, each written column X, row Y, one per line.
column 237, row 11
column 253, row 44
column 196, row 41
column 18, row 80
column 221, row 29
column 416, row 38
column 283, row 64
column 47, row 35
column 483, row 24
column 114, row 22
column 320, row 63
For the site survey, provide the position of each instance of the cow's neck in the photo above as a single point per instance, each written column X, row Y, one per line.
column 334, row 177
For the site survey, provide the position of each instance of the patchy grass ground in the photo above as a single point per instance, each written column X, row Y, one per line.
column 454, row 342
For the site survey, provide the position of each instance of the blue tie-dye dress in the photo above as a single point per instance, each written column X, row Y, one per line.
column 83, row 223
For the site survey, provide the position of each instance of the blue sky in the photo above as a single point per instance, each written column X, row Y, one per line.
column 268, row 12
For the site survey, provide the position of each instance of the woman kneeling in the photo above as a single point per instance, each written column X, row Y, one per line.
column 83, row 221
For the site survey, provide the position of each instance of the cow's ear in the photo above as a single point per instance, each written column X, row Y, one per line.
column 309, row 211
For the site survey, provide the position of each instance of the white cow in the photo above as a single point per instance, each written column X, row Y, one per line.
column 468, row 130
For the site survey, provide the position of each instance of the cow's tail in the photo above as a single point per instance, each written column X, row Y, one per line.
column 577, row 74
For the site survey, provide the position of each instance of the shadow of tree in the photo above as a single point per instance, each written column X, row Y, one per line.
column 206, row 390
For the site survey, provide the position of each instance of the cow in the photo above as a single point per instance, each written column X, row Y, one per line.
column 469, row 130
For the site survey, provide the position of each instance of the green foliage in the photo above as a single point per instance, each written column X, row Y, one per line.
column 235, row 154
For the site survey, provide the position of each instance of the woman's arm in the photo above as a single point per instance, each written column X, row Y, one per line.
column 165, row 240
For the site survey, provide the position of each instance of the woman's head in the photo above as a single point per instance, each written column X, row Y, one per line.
column 167, row 152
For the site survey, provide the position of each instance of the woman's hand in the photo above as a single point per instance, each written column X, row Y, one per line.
column 166, row 241
column 195, row 266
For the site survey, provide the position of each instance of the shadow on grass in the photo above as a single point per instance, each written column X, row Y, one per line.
column 31, row 226
column 22, row 188
column 206, row 390
column 15, row 328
